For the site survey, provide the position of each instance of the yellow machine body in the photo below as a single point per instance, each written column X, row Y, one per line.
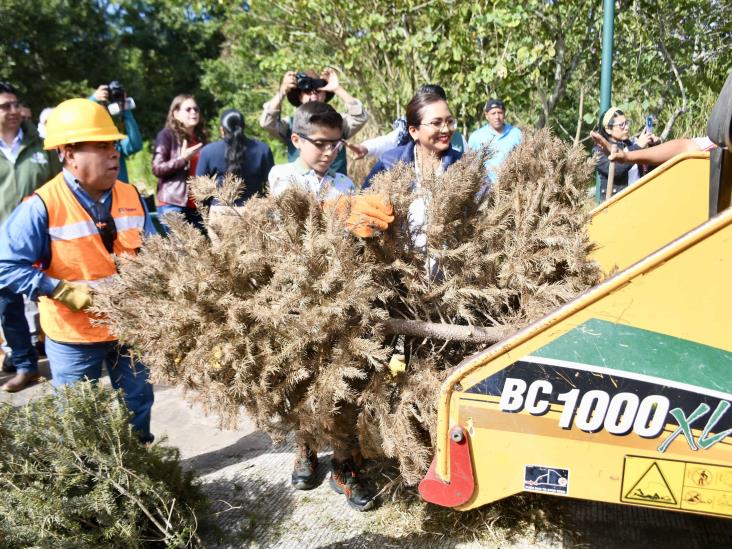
column 668, row 202
column 624, row 394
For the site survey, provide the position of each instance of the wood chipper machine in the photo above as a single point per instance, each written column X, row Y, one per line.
column 624, row 394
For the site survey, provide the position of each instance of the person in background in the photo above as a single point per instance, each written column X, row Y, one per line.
column 42, row 121
column 377, row 146
column 177, row 147
column 132, row 143
column 301, row 88
column 498, row 135
column 24, row 166
column 235, row 153
column 26, row 113
column 62, row 242
column 615, row 128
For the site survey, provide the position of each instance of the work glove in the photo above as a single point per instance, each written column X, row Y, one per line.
column 75, row 296
column 369, row 212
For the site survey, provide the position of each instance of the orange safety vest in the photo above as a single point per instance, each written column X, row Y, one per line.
column 78, row 254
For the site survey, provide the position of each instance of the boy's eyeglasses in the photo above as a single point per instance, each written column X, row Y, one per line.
column 438, row 124
column 325, row 145
column 10, row 105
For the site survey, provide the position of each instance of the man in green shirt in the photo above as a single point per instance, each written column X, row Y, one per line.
column 24, row 166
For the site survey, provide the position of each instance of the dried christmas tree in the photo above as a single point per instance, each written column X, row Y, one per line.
column 286, row 313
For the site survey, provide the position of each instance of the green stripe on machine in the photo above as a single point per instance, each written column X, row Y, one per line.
column 627, row 348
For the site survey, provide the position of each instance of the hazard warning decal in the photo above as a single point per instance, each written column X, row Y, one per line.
column 677, row 484
column 652, row 486
column 538, row 478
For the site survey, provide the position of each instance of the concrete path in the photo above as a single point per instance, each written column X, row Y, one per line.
column 247, row 478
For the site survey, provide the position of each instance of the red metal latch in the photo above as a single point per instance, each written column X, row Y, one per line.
column 461, row 485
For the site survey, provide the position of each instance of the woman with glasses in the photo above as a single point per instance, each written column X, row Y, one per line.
column 431, row 126
column 176, row 154
column 615, row 128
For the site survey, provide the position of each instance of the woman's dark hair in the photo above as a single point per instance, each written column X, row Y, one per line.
column 417, row 105
column 172, row 123
column 607, row 119
column 432, row 88
column 232, row 122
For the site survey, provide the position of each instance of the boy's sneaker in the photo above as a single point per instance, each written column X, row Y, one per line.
column 303, row 473
column 346, row 479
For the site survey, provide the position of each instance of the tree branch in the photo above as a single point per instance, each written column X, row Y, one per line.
column 682, row 109
column 449, row 332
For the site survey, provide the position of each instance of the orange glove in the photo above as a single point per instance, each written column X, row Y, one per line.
column 369, row 212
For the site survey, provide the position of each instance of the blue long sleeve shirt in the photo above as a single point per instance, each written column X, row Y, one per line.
column 129, row 145
column 24, row 241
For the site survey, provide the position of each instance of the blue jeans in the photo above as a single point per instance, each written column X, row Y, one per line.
column 17, row 334
column 191, row 215
column 71, row 362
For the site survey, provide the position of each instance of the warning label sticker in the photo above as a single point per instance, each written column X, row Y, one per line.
column 546, row 479
column 652, row 486
column 677, row 484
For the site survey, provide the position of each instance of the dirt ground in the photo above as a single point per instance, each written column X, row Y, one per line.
column 247, row 478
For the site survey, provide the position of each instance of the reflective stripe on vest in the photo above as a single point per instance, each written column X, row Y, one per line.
column 78, row 254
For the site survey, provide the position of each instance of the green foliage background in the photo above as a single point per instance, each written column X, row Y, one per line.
column 541, row 56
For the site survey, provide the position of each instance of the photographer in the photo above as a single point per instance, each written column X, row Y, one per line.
column 114, row 97
column 303, row 87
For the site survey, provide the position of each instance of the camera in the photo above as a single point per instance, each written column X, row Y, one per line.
column 117, row 102
column 307, row 83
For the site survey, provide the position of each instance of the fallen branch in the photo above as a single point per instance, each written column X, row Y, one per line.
column 450, row 332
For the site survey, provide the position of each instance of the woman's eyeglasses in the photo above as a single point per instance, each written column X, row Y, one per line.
column 192, row 109
column 623, row 125
column 438, row 124
column 325, row 145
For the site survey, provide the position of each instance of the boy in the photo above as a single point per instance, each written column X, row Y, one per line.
column 317, row 131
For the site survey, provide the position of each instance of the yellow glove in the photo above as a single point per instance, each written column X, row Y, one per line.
column 369, row 212
column 74, row 295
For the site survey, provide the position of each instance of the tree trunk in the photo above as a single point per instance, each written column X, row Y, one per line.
column 448, row 332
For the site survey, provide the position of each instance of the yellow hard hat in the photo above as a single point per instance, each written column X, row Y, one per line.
column 78, row 121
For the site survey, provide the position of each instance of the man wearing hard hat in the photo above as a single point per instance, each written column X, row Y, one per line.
column 59, row 244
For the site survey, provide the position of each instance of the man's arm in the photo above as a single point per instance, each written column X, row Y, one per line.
column 133, row 142
column 376, row 146
column 24, row 241
column 603, row 165
column 355, row 116
column 270, row 119
column 651, row 155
